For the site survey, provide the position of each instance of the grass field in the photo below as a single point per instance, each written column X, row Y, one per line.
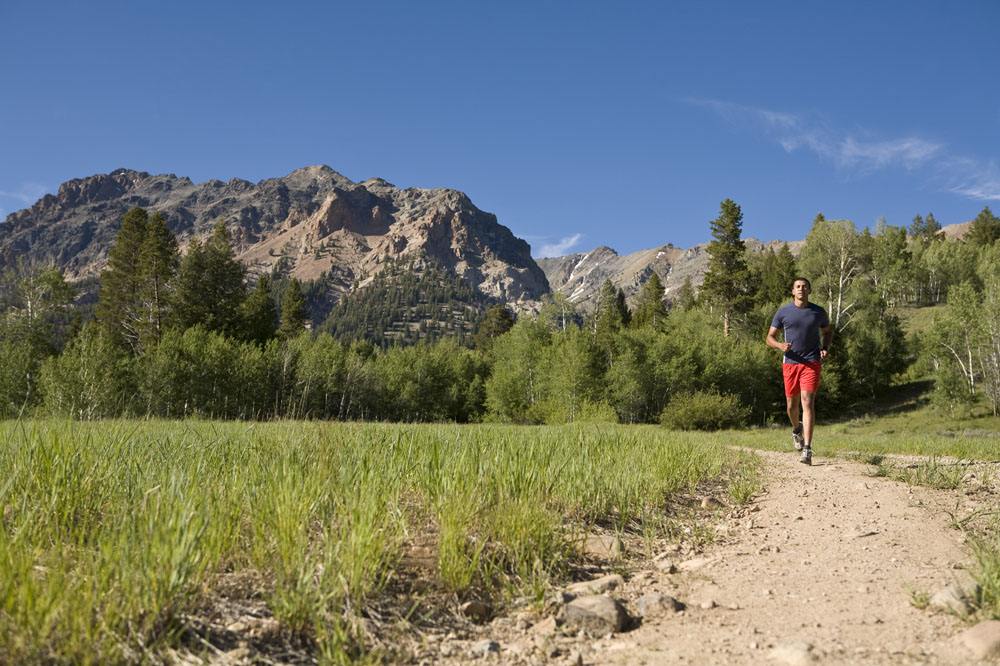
column 116, row 534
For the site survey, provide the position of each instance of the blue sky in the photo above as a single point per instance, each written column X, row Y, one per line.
column 578, row 123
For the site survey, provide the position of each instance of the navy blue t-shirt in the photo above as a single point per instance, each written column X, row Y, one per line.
column 801, row 327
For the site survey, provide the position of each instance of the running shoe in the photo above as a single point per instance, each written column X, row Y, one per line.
column 807, row 456
column 797, row 439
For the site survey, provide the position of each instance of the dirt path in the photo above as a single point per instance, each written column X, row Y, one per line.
column 830, row 560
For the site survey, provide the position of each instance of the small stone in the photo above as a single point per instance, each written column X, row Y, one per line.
column 653, row 604
column 666, row 566
column 983, row 640
column 708, row 604
column 575, row 659
column 484, row 648
column 597, row 586
column 546, row 627
column 237, row 627
column 953, row 598
column 596, row 615
column 792, row 653
column 477, row 611
column 695, row 563
column 710, row 503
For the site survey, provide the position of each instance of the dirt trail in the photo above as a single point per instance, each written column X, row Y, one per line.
column 830, row 558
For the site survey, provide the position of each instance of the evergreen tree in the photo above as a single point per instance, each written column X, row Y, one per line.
column 119, row 308
column 210, row 285
column 984, row 230
column 686, row 297
column 727, row 279
column 608, row 320
column 925, row 229
column 773, row 272
column 260, row 318
column 293, row 311
column 649, row 308
column 158, row 261
column 497, row 321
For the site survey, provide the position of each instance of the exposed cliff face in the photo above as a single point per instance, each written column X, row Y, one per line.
column 314, row 221
column 580, row 276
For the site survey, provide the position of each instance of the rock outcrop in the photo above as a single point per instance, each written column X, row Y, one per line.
column 314, row 222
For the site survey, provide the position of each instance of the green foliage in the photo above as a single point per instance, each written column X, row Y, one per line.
column 727, row 280
column 260, row 318
column 93, row 378
column 497, row 320
column 611, row 315
column 704, row 411
column 411, row 299
column 926, row 229
column 515, row 387
column 18, row 376
column 203, row 373
column 210, row 288
column 649, row 307
column 772, row 273
column 293, row 311
column 158, row 262
column 119, row 309
column 984, row 230
column 834, row 259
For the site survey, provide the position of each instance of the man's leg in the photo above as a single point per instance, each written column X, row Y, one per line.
column 808, row 399
column 793, row 410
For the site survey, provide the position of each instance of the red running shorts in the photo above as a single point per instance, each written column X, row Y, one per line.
column 801, row 377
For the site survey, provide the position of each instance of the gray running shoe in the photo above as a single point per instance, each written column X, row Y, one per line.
column 807, row 456
column 797, row 439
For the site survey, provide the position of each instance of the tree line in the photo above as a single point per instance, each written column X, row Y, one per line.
column 179, row 335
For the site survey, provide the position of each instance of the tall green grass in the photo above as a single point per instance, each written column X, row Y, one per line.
column 114, row 533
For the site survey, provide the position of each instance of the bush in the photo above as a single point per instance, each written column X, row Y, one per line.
column 91, row 379
column 704, row 410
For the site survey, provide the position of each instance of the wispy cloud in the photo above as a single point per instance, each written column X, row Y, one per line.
column 860, row 152
column 970, row 177
column 27, row 193
column 563, row 246
column 853, row 152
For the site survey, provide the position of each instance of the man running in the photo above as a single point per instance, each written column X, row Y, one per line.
column 807, row 334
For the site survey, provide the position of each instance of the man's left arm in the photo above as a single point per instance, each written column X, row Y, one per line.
column 826, row 333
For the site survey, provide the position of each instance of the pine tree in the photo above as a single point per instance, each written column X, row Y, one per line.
column 210, row 285
column 686, row 297
column 158, row 261
column 727, row 280
column 119, row 310
column 984, row 230
column 649, row 308
column 260, row 318
column 608, row 320
column 497, row 321
column 293, row 311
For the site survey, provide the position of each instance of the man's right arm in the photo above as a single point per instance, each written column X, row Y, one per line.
column 773, row 342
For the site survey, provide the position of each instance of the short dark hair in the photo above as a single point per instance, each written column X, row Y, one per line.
column 803, row 279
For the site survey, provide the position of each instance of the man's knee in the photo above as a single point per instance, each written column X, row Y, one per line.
column 808, row 398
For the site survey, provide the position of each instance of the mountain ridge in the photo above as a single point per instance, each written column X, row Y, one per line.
column 312, row 223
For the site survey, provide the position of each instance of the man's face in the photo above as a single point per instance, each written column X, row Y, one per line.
column 800, row 289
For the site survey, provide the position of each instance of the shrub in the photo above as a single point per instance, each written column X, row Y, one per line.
column 91, row 379
column 704, row 410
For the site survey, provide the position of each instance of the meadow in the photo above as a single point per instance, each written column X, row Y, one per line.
column 118, row 535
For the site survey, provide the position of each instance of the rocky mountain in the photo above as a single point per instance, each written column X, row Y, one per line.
column 580, row 276
column 312, row 224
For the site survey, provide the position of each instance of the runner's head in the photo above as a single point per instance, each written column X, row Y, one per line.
column 801, row 288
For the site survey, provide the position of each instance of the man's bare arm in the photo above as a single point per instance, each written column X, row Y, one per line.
column 774, row 343
column 827, row 333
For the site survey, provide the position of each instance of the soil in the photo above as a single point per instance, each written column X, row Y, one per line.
column 830, row 564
